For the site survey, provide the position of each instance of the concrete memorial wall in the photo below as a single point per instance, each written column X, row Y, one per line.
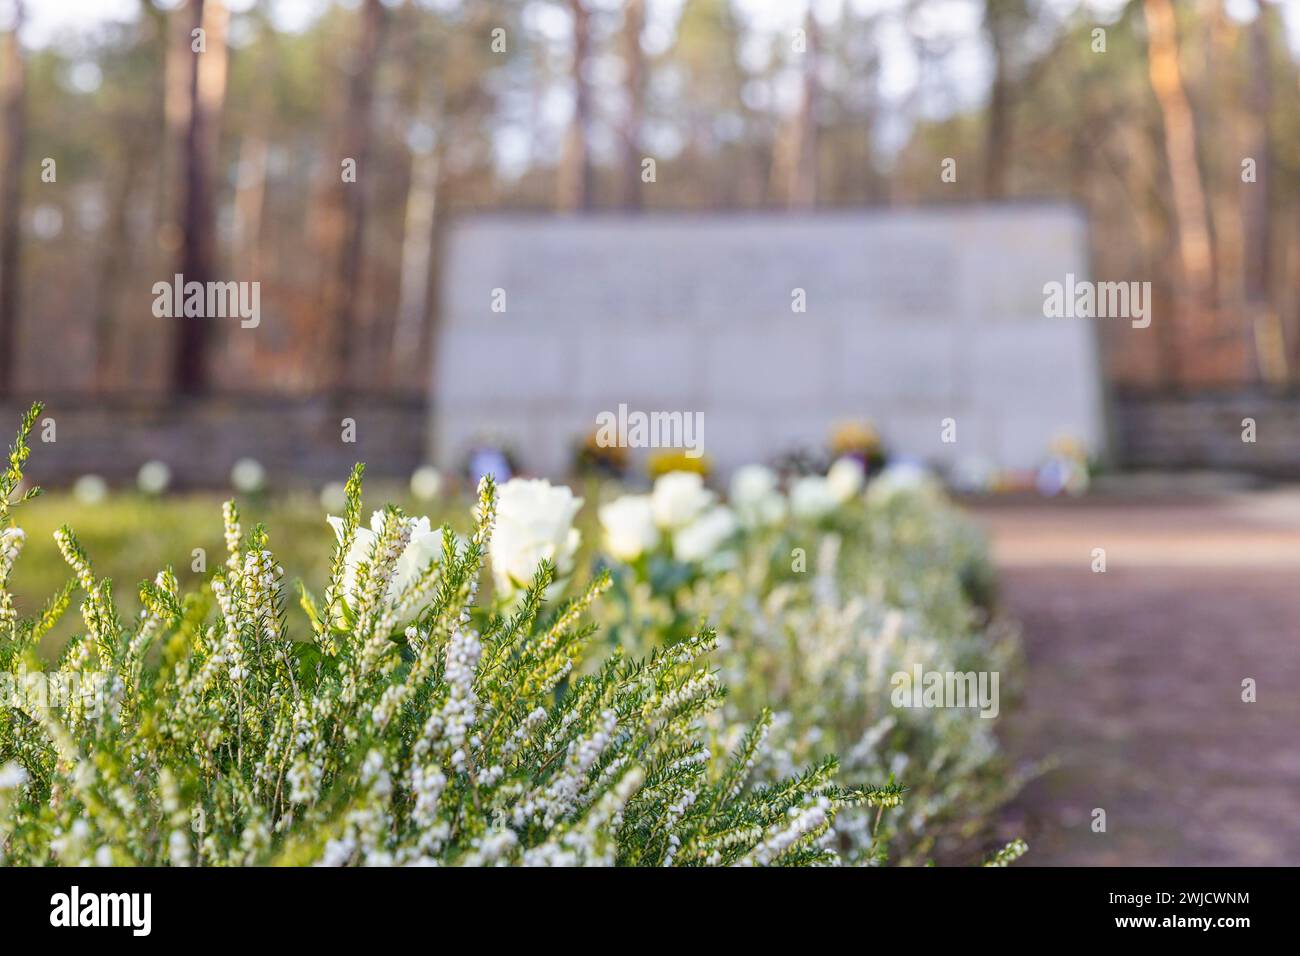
column 910, row 318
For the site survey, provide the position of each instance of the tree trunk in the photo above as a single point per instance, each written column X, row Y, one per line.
column 115, row 259
column 417, row 259
column 634, row 84
column 254, row 157
column 997, row 135
column 803, row 170
column 1256, row 213
column 13, row 89
column 575, row 177
column 250, row 187
column 1002, row 19
column 1193, row 250
column 207, row 84
column 344, row 213
column 250, row 199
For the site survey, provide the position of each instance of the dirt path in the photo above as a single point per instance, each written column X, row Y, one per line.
column 1134, row 679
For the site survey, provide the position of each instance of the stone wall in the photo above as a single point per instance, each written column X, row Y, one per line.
column 912, row 317
column 1205, row 432
column 298, row 441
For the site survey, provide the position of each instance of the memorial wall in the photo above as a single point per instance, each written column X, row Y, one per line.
column 769, row 327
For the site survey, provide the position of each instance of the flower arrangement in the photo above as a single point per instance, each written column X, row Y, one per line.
column 408, row 725
column 858, row 439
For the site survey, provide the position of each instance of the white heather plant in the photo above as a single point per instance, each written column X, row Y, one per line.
column 889, row 578
column 462, row 738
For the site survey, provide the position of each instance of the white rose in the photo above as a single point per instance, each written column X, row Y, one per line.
column 426, row 482
column 248, row 476
column 424, row 547
column 534, row 521
column 334, row 496
column 90, row 489
column 812, row 497
column 629, row 526
column 752, row 483
column 705, row 535
column 679, row 498
column 363, row 543
column 154, row 477
column 846, row 478
column 755, row 497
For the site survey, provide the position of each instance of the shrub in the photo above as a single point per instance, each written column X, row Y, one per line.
column 410, row 725
column 819, row 603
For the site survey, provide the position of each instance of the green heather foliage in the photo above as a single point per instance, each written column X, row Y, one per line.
column 409, row 725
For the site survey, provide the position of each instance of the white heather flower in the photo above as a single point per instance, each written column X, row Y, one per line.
column 679, row 497
column 90, row 489
column 812, row 497
column 534, row 521
column 426, row 482
column 629, row 526
column 755, row 497
column 304, row 777
column 460, row 709
column 248, row 476
column 491, row 847
column 562, row 792
column 11, row 542
column 230, row 523
column 801, row 822
column 846, row 478
column 154, row 477
column 705, row 535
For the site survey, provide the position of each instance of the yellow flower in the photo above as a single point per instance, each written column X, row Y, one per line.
column 675, row 459
column 852, row 437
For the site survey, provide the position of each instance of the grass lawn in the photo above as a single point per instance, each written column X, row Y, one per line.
column 130, row 537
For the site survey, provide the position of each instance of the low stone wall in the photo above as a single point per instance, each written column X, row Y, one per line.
column 300, row 441
column 1205, row 432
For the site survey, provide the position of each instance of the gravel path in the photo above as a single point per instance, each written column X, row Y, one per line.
column 1134, row 680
